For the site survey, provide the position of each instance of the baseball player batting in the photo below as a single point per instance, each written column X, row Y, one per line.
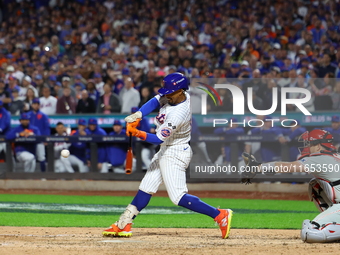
column 320, row 158
column 169, row 164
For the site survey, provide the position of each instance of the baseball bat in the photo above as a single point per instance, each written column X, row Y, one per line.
column 129, row 157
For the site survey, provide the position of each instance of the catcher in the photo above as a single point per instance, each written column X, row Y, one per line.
column 320, row 158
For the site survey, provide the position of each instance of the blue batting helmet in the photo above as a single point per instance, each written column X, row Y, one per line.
column 174, row 82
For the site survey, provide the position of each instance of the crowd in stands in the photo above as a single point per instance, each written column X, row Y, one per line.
column 106, row 56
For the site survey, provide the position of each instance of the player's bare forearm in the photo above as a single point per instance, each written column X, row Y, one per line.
column 282, row 167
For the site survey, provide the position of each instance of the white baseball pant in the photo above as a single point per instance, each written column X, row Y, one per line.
column 168, row 166
column 77, row 162
column 103, row 167
column 146, row 156
column 324, row 228
column 28, row 159
column 40, row 151
column 3, row 147
column 62, row 165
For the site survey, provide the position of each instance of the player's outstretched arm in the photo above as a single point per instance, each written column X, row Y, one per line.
column 253, row 167
column 145, row 110
column 283, row 167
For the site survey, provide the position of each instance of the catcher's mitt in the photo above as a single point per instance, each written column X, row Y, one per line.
column 251, row 168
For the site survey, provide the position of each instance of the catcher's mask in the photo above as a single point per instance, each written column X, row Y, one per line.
column 317, row 136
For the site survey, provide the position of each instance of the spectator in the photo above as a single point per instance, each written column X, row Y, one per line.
column 66, row 104
column 56, row 89
column 78, row 48
column 94, row 129
column 267, row 94
column 109, row 102
column 323, row 100
column 61, row 163
column 78, row 79
column 129, row 96
column 5, row 96
column 140, row 62
column 66, row 84
column 86, row 104
column 39, row 83
column 301, row 83
column 15, row 72
column 150, row 80
column 12, row 83
column 326, row 66
column 78, row 88
column 5, row 124
column 52, row 80
column 27, row 83
column 17, row 105
column 29, row 99
column 48, row 103
column 317, row 31
column 145, row 96
column 97, row 77
column 234, row 71
column 9, row 72
column 24, row 152
column 118, row 84
column 92, row 91
column 284, row 81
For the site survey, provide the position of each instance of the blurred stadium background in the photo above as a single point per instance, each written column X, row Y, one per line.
column 76, row 64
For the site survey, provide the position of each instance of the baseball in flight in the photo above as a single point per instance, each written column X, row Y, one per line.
column 65, row 153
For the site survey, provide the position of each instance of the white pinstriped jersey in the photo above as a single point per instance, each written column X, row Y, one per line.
column 325, row 167
column 173, row 123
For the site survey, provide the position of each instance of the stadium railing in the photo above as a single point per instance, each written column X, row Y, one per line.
column 93, row 141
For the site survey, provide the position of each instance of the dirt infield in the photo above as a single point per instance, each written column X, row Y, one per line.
column 43, row 241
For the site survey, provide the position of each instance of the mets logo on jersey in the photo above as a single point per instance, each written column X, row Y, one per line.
column 165, row 132
column 160, row 118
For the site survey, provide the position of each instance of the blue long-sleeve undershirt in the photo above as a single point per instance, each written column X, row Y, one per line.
column 149, row 106
column 152, row 138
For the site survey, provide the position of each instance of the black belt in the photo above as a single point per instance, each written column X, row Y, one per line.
column 336, row 183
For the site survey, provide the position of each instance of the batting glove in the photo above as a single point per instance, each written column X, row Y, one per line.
column 131, row 130
column 134, row 117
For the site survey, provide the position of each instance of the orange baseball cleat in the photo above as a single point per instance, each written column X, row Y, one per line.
column 224, row 221
column 115, row 231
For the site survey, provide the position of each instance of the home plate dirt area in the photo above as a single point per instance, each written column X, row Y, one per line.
column 64, row 241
